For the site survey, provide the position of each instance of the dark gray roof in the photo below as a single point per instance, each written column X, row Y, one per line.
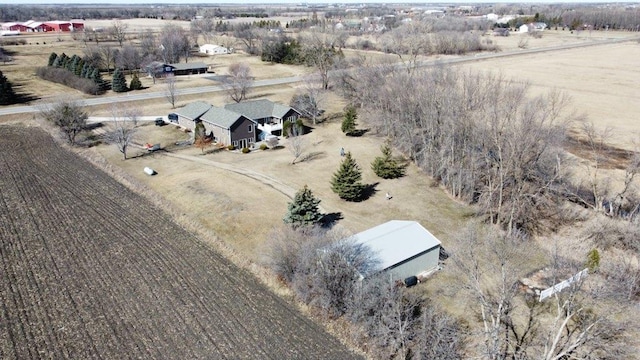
column 221, row 117
column 259, row 109
column 188, row 66
column 397, row 240
column 194, row 110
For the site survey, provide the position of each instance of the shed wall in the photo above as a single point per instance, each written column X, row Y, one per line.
column 414, row 266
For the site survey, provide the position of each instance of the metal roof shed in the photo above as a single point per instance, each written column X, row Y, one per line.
column 405, row 248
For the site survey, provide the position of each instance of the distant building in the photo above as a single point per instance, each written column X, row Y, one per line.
column 211, row 49
column 160, row 69
column 47, row 26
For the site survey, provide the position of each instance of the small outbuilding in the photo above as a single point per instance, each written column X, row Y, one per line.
column 211, row 49
column 404, row 248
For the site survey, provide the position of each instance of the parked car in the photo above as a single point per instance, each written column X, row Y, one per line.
column 173, row 117
column 159, row 121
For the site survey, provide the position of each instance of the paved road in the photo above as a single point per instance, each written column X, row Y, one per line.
column 132, row 96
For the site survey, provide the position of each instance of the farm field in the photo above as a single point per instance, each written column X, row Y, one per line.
column 90, row 269
column 598, row 80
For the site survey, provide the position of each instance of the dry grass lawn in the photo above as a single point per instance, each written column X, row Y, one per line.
column 242, row 211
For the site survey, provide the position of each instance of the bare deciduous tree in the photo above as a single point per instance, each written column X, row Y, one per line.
column 118, row 31
column 129, row 58
column 204, row 27
column 109, row 54
column 517, row 325
column 174, row 44
column 124, row 122
column 171, row 91
column 297, row 142
column 239, row 81
column 310, row 101
column 329, row 272
column 68, row 115
column 319, row 50
column 249, row 37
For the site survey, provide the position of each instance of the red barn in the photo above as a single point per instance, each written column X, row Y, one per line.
column 58, row 25
column 77, row 25
column 13, row 26
column 36, row 26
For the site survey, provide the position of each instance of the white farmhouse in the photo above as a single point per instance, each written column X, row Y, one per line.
column 210, row 49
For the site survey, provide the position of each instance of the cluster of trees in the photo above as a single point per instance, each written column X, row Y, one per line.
column 325, row 270
column 481, row 136
column 74, row 72
column 513, row 324
column 584, row 16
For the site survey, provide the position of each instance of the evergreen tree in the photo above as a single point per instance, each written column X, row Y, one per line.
column 349, row 122
column 78, row 68
column 135, row 83
column 385, row 166
column 346, row 181
column 119, row 83
column 57, row 62
column 52, row 58
column 7, row 95
column 64, row 59
column 96, row 77
column 85, row 70
column 303, row 210
column 72, row 63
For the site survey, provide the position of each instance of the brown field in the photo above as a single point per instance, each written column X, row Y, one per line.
column 92, row 270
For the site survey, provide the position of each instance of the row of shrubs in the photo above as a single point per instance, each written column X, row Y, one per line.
column 246, row 150
column 67, row 78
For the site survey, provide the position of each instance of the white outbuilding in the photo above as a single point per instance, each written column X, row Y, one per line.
column 404, row 248
column 211, row 49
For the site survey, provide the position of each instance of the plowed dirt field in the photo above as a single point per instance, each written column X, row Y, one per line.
column 89, row 269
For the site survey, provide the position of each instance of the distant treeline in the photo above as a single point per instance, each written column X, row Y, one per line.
column 48, row 12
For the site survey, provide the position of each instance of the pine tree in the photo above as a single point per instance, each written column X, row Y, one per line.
column 346, row 181
column 64, row 59
column 135, row 83
column 349, row 122
column 72, row 63
column 52, row 58
column 57, row 62
column 78, row 68
column 385, row 166
column 85, row 70
column 303, row 210
column 96, row 77
column 7, row 95
column 119, row 83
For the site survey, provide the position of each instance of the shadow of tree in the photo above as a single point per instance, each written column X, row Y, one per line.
column 313, row 155
column 358, row 132
column 369, row 190
column 329, row 220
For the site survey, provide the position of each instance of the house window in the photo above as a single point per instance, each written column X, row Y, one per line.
column 250, row 128
column 235, row 144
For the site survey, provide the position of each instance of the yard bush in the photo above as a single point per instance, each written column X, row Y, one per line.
column 246, row 150
column 263, row 147
column 231, row 147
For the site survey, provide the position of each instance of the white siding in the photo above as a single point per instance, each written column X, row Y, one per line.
column 420, row 263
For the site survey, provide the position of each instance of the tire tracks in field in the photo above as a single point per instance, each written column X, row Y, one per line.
column 85, row 252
